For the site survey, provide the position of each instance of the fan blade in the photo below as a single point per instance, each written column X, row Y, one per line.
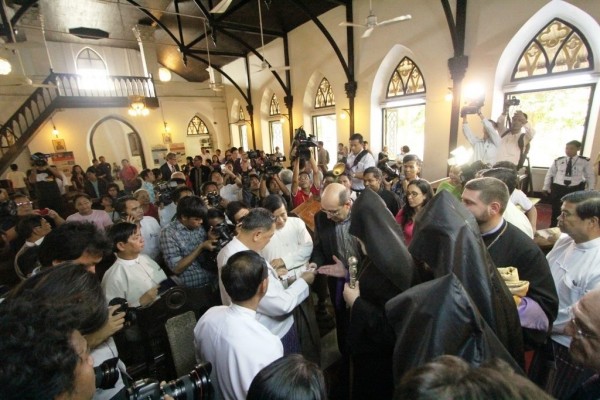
column 352, row 24
column 397, row 19
column 14, row 80
column 221, row 7
column 367, row 33
column 280, row 68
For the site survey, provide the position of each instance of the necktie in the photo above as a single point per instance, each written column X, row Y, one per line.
column 569, row 169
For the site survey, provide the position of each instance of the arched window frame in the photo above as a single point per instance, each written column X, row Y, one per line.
column 197, row 127
column 274, row 109
column 550, row 64
column 97, row 65
column 406, row 81
column 324, row 96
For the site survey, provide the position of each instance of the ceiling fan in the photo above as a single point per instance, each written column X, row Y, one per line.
column 264, row 65
column 371, row 21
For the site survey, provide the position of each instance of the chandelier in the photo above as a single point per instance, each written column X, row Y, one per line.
column 137, row 106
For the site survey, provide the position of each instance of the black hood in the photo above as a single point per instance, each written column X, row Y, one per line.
column 376, row 227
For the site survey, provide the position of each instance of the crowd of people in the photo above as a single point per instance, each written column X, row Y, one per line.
column 451, row 271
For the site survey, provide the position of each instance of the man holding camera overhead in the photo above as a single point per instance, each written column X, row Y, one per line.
column 515, row 139
column 486, row 148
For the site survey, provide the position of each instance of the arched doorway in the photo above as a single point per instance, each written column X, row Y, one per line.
column 116, row 139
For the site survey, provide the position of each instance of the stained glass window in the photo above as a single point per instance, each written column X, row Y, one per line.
column 197, row 127
column 406, row 79
column 557, row 47
column 324, row 96
column 274, row 108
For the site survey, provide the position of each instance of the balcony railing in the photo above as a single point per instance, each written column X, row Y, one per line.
column 68, row 91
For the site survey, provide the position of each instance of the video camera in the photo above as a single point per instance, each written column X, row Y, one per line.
column 39, row 159
column 272, row 164
column 302, row 145
column 194, row 386
column 472, row 106
column 164, row 192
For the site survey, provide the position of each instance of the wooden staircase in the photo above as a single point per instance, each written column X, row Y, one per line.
column 68, row 91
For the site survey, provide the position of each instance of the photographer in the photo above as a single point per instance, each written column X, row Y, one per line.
column 484, row 149
column 251, row 189
column 358, row 161
column 45, row 181
column 302, row 186
column 515, row 138
column 44, row 355
column 272, row 184
column 228, row 191
column 212, row 197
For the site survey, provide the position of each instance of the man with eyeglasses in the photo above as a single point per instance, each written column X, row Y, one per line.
column 574, row 262
column 584, row 329
column 333, row 244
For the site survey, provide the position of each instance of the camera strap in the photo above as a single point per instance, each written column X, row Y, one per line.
column 359, row 157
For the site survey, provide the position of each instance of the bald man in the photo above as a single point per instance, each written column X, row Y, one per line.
column 333, row 240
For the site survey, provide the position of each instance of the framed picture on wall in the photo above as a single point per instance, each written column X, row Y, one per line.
column 59, row 145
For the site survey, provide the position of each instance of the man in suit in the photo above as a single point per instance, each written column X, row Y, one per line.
column 170, row 166
column 94, row 187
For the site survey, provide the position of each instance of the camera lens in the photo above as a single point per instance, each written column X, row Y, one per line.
column 194, row 386
column 107, row 374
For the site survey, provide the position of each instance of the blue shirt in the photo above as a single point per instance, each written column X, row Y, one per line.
column 176, row 242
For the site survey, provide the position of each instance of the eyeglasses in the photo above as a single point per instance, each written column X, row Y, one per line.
column 579, row 333
column 335, row 213
column 24, row 203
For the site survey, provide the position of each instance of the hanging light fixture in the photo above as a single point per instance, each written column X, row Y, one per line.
column 137, row 106
column 54, row 130
column 5, row 66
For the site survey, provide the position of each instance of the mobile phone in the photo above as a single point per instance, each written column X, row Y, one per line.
column 44, row 211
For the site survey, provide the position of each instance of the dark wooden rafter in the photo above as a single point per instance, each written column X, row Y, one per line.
column 457, row 64
column 22, row 10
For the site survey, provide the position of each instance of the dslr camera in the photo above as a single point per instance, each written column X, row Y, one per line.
column 194, row 386
column 130, row 312
column 302, row 143
column 272, row 164
column 513, row 101
column 214, row 199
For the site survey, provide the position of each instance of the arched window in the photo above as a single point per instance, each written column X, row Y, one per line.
column 274, row 107
column 197, row 127
column 92, row 70
column 558, row 47
column 325, row 125
column 324, row 96
column 243, row 129
column 275, row 126
column 406, row 79
column 551, row 82
column 404, row 110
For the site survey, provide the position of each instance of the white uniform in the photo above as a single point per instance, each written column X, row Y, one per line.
column 236, row 345
column 575, row 268
column 275, row 309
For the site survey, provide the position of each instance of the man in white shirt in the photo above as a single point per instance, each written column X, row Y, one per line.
column 484, row 149
column 358, row 160
column 291, row 245
column 230, row 337
column 131, row 211
column 134, row 276
column 574, row 262
column 514, row 140
column 275, row 309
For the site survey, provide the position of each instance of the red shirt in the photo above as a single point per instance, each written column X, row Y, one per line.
column 301, row 197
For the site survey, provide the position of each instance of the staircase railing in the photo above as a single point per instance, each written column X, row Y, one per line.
column 68, row 91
